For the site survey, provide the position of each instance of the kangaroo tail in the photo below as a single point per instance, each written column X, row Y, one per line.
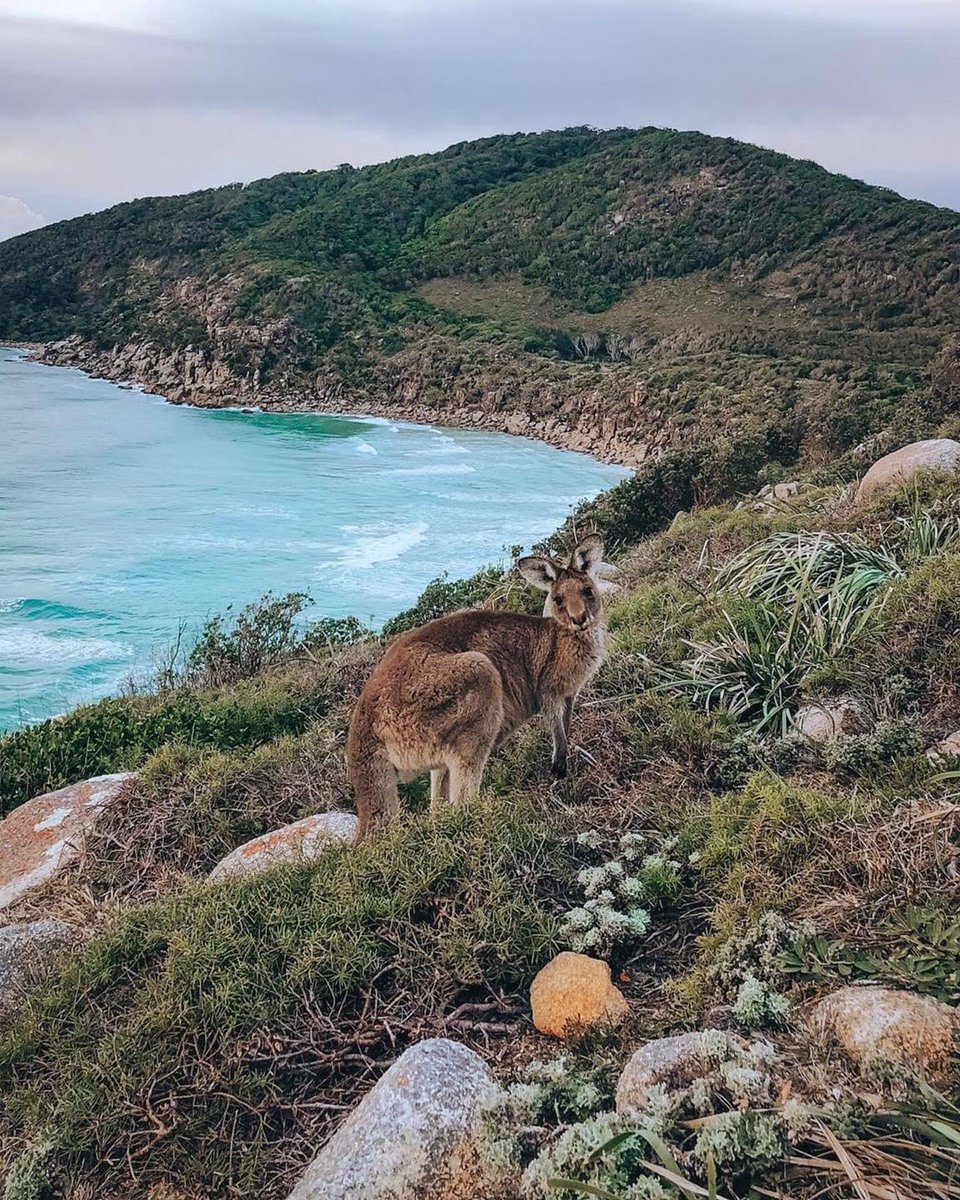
column 372, row 775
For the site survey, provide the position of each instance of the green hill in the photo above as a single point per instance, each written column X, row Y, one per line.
column 664, row 283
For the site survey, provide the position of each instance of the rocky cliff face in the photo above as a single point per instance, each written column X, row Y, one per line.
column 612, row 422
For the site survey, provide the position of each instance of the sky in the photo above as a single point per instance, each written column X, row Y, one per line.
column 106, row 100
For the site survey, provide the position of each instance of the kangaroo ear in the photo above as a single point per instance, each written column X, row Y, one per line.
column 541, row 572
column 588, row 554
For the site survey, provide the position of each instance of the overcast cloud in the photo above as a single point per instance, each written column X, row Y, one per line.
column 103, row 100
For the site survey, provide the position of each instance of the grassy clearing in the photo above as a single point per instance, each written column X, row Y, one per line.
column 658, row 305
column 213, row 1034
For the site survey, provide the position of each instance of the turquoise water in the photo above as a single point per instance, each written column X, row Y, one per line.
column 122, row 517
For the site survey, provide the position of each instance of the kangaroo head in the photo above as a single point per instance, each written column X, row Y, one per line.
column 573, row 596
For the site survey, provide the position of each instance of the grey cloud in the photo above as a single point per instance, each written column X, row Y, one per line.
column 52, row 67
column 504, row 65
column 16, row 217
column 601, row 57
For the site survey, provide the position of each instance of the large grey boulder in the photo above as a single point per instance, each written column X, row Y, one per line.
column 40, row 838
column 941, row 455
column 302, row 841
column 415, row 1136
column 29, row 953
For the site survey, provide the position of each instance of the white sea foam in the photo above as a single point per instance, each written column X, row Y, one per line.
column 31, row 646
column 362, row 446
column 436, row 469
column 369, row 545
column 259, row 510
column 442, row 443
column 271, row 545
column 9, row 606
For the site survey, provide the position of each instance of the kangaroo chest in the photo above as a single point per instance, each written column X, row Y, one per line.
column 570, row 668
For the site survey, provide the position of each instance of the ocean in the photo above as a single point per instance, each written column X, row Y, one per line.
column 124, row 520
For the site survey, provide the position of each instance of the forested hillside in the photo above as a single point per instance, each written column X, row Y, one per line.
column 661, row 284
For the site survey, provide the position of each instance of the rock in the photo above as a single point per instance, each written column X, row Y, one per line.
column 607, row 570
column 415, row 1136
column 300, row 842
column 827, row 720
column 40, row 838
column 572, row 993
column 772, row 495
column 935, row 454
column 606, row 576
column 881, row 1023
column 948, row 748
column 28, row 955
column 670, row 1062
column 779, row 491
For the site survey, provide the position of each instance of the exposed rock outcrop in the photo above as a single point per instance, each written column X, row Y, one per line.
column 423, row 386
column 300, row 842
column 872, row 1023
column 415, row 1136
column 573, row 993
column 940, row 455
column 40, row 838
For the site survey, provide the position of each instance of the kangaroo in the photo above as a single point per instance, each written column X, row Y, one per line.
column 445, row 695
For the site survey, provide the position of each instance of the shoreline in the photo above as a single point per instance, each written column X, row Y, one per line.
column 34, row 352
column 184, row 378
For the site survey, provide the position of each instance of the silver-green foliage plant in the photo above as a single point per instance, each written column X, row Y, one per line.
column 757, row 1004
column 737, row 1129
column 549, row 1096
column 29, row 1174
column 749, row 968
column 618, row 894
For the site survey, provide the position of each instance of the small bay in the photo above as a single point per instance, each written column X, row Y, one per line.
column 124, row 518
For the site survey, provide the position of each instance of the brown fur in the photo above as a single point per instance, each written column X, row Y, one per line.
column 445, row 695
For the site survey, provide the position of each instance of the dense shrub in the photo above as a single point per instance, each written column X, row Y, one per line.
column 443, row 596
column 680, row 479
column 231, row 648
column 119, row 733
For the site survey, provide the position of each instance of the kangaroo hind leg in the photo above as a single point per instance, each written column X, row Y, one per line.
column 465, row 779
column 480, row 726
column 439, row 786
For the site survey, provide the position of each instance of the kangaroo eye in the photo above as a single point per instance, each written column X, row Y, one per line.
column 588, row 593
column 558, row 601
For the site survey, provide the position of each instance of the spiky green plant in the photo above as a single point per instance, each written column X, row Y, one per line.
column 926, row 532
column 787, row 606
column 784, row 565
